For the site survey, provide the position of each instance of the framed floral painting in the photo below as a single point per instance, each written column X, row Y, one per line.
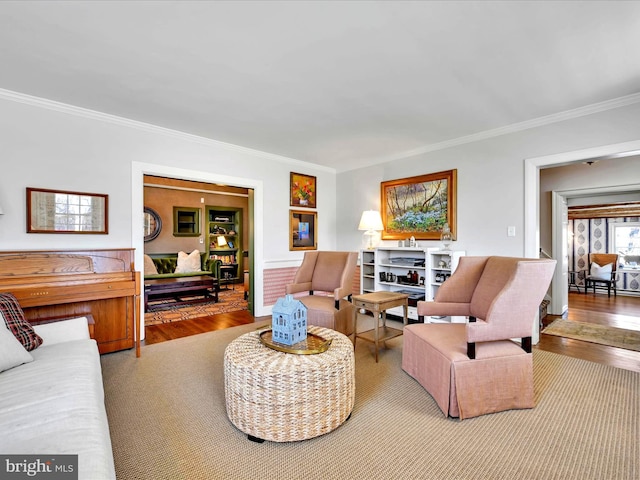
column 419, row 206
column 302, row 190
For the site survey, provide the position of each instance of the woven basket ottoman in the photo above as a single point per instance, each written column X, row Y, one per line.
column 286, row 397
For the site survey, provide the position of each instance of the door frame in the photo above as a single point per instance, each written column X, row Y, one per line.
column 139, row 169
column 559, row 241
column 532, row 168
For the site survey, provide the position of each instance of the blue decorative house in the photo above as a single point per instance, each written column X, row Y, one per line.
column 288, row 321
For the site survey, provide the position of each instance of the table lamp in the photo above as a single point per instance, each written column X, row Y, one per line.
column 370, row 222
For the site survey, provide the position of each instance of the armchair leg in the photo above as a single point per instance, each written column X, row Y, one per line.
column 526, row 344
column 471, row 350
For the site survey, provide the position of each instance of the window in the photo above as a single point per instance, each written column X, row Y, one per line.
column 625, row 241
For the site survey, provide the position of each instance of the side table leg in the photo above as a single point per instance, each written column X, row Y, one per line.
column 376, row 334
column 354, row 320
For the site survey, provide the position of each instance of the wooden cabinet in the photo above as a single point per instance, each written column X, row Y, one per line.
column 224, row 241
column 74, row 283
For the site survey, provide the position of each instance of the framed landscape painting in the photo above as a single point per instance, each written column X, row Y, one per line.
column 419, row 206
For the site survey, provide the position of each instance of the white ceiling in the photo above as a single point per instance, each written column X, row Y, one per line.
column 341, row 84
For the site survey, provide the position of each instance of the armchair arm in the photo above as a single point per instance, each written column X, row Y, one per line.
column 292, row 288
column 443, row 309
column 512, row 312
column 213, row 266
column 346, row 281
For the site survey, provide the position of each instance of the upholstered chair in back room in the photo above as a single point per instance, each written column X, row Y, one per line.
column 485, row 365
column 603, row 269
column 327, row 279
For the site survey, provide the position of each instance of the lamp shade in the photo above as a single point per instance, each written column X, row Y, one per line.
column 371, row 221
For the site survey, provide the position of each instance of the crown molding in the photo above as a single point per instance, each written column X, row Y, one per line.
column 517, row 127
column 147, row 127
column 487, row 134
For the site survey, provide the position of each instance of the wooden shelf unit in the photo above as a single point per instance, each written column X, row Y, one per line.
column 226, row 222
column 186, row 222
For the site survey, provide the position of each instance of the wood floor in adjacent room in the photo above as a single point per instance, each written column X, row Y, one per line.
column 619, row 311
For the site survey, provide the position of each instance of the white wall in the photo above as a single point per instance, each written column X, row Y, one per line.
column 49, row 146
column 53, row 146
column 491, row 179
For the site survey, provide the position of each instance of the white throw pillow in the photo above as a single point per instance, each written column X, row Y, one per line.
column 149, row 266
column 188, row 263
column 603, row 273
column 12, row 353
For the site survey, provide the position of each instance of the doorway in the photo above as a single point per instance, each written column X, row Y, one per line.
column 140, row 169
column 532, row 168
column 592, row 235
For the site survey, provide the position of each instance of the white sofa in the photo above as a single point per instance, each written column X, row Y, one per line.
column 55, row 403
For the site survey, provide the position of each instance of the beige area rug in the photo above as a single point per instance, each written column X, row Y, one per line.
column 590, row 332
column 167, row 417
column 228, row 301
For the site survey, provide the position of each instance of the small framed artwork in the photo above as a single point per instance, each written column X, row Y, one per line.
column 419, row 206
column 303, row 233
column 302, row 190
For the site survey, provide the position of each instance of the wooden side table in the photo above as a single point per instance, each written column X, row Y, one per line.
column 378, row 303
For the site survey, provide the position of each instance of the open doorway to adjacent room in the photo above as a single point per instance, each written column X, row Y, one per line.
column 173, row 191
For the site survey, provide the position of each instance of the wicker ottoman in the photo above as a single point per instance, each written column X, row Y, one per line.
column 285, row 397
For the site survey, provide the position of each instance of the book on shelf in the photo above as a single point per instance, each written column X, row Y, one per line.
column 225, row 259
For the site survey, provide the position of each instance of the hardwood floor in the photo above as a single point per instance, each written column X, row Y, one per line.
column 620, row 311
column 185, row 328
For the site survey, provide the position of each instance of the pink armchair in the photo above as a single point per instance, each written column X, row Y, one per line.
column 331, row 274
column 476, row 368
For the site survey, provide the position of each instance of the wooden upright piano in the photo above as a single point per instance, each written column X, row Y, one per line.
column 72, row 283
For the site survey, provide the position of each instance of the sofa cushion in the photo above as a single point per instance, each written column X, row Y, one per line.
column 13, row 316
column 55, row 404
column 12, row 353
column 149, row 266
column 188, row 263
